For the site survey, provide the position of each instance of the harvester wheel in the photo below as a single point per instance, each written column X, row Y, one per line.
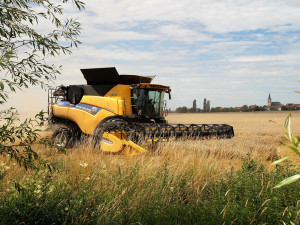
column 63, row 138
column 114, row 126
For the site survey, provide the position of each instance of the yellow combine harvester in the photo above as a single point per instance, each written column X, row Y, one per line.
column 118, row 112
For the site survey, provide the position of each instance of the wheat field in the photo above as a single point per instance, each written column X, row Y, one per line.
column 254, row 134
column 184, row 176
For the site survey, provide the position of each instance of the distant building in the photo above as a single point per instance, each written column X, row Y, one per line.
column 290, row 105
column 269, row 101
column 273, row 105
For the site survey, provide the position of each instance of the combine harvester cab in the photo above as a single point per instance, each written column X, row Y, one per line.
column 118, row 112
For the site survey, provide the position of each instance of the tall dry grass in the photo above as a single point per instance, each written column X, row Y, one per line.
column 179, row 182
column 254, row 134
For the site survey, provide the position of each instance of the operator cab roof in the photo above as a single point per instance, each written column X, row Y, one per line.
column 110, row 75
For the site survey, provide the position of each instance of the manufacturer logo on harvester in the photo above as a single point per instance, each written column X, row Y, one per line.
column 94, row 110
column 87, row 108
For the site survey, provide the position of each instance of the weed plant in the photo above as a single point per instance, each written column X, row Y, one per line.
column 125, row 196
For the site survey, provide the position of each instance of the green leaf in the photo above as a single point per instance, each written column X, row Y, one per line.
column 294, row 149
column 1, row 85
column 295, row 141
column 288, row 181
column 281, row 160
column 273, row 121
column 287, row 126
column 281, row 143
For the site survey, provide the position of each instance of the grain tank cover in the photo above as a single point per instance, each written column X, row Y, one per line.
column 109, row 75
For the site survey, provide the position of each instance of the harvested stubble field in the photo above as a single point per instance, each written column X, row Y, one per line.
column 193, row 182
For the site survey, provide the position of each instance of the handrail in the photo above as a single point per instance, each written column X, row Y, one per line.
column 53, row 99
column 127, row 105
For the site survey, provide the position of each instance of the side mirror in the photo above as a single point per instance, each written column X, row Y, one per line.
column 169, row 92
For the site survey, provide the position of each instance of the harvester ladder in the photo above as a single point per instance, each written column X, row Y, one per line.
column 127, row 105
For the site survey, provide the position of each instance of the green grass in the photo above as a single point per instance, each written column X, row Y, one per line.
column 125, row 197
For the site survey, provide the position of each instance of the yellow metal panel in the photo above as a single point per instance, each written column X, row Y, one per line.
column 86, row 121
column 59, row 111
column 112, row 144
column 121, row 107
column 109, row 104
column 121, row 92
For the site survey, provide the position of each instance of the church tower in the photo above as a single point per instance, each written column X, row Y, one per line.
column 269, row 101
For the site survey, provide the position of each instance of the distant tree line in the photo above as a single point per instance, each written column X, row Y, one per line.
column 182, row 109
column 194, row 109
column 244, row 108
column 292, row 108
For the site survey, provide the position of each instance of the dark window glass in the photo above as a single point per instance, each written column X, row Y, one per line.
column 149, row 101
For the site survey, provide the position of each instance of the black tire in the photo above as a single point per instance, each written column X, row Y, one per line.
column 114, row 124
column 63, row 138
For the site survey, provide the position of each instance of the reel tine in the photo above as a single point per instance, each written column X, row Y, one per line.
column 180, row 131
column 152, row 133
column 166, row 131
column 192, row 131
column 171, row 131
column 195, row 131
column 205, row 131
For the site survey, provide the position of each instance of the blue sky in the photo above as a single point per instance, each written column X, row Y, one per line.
column 231, row 52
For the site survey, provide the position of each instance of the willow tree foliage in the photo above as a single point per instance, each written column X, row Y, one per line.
column 31, row 32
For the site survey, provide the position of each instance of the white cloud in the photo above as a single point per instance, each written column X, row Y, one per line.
column 94, row 35
column 216, row 16
column 178, row 33
column 288, row 58
column 202, row 48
